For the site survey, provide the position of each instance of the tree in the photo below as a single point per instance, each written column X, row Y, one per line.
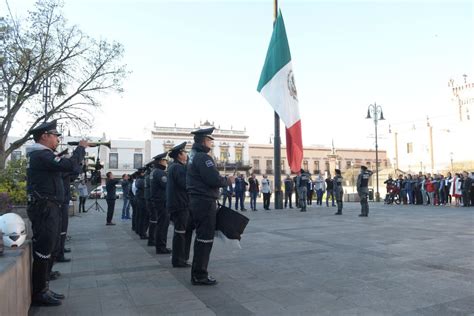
column 46, row 51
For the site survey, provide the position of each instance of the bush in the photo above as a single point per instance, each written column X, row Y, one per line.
column 13, row 182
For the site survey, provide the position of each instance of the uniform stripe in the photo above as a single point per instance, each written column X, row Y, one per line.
column 42, row 256
column 206, row 241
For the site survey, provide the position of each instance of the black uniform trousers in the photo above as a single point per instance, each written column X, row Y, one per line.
column 288, row 196
column 143, row 218
column 110, row 210
column 183, row 233
column 45, row 222
column 152, row 216
column 203, row 213
column 163, row 222
column 133, row 203
column 64, row 226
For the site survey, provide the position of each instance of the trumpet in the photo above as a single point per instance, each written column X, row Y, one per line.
column 92, row 144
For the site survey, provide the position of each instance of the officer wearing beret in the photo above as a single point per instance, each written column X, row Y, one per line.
column 45, row 190
column 177, row 202
column 202, row 183
column 363, row 190
column 159, row 213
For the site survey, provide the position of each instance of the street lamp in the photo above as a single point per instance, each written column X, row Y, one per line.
column 46, row 90
column 451, row 157
column 375, row 112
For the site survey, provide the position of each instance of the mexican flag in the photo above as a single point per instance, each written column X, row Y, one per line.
column 277, row 85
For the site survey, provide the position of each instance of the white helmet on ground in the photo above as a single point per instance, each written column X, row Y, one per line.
column 14, row 230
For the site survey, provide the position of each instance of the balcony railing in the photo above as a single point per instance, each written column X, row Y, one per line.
column 243, row 165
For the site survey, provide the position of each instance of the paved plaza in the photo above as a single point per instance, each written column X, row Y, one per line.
column 401, row 260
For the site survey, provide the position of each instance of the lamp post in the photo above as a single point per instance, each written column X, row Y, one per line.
column 46, row 90
column 375, row 112
column 451, row 157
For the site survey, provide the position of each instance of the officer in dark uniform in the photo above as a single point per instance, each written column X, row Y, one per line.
column 177, row 203
column 133, row 201
column 67, row 178
column 302, row 181
column 45, row 190
column 289, row 188
column 338, row 190
column 202, row 183
column 140, row 201
column 147, row 215
column 363, row 190
column 158, row 180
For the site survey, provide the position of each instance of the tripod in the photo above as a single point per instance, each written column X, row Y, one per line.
column 96, row 205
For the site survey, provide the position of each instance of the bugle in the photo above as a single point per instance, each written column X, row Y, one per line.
column 92, row 144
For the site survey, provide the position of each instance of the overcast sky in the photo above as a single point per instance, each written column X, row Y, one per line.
column 201, row 60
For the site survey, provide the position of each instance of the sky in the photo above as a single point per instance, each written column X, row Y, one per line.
column 192, row 61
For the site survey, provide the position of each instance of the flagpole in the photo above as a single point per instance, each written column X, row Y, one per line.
column 277, row 143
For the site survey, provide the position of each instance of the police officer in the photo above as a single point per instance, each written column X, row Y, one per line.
column 363, row 190
column 140, row 202
column 177, row 203
column 302, row 186
column 148, row 224
column 338, row 191
column 45, row 190
column 202, row 183
column 289, row 188
column 159, row 213
column 133, row 203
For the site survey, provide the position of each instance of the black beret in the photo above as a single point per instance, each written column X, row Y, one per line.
column 204, row 132
column 46, row 127
column 173, row 153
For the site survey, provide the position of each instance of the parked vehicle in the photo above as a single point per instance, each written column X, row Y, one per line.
column 98, row 192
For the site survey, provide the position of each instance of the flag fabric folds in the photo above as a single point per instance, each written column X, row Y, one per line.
column 277, row 86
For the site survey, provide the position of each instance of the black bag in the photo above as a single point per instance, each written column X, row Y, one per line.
column 231, row 223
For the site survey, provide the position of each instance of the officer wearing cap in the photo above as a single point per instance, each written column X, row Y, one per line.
column 302, row 181
column 158, row 180
column 140, row 201
column 45, row 195
column 202, row 183
column 363, row 190
column 146, row 220
column 177, row 203
column 338, row 190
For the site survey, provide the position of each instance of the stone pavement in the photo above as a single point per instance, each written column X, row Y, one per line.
column 401, row 260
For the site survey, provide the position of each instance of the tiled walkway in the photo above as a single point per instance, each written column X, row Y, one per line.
column 401, row 260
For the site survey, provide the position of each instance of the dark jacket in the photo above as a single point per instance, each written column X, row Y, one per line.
column 126, row 189
column 289, row 185
column 110, row 187
column 176, row 195
column 202, row 178
column 140, row 185
column 158, row 179
column 253, row 185
column 44, row 172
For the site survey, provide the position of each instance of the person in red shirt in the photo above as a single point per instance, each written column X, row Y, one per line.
column 430, row 189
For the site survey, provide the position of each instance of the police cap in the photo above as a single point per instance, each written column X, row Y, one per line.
column 204, row 132
column 141, row 170
column 174, row 152
column 363, row 167
column 45, row 128
column 159, row 157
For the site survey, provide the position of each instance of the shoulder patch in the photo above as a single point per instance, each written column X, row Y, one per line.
column 164, row 179
column 57, row 159
column 209, row 163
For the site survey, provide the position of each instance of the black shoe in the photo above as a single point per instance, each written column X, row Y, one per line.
column 144, row 237
column 244, row 209
column 110, row 224
column 337, row 213
column 302, row 210
column 56, row 295
column 163, row 251
column 151, row 244
column 45, row 299
column 291, row 206
column 63, row 259
column 362, row 215
column 67, row 250
column 206, row 281
column 182, row 265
